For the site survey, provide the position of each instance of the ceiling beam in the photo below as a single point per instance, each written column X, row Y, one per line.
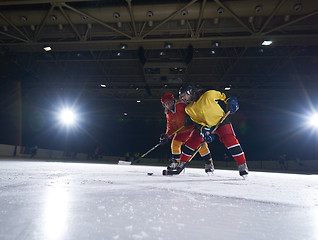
column 132, row 17
column 203, row 4
column 33, row 2
column 13, row 37
column 38, row 31
column 291, row 22
column 272, row 14
column 234, row 16
column 97, row 20
column 169, row 18
column 15, row 27
column 179, row 43
column 70, row 22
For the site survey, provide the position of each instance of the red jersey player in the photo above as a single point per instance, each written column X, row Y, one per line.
column 176, row 118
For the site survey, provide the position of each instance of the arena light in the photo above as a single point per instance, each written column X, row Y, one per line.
column 47, row 48
column 266, row 42
column 67, row 117
column 227, row 87
column 313, row 120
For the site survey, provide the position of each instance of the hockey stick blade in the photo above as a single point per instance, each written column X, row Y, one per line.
column 171, row 172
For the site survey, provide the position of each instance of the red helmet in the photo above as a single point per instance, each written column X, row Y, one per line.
column 167, row 97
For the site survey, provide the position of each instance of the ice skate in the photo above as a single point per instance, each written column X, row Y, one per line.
column 209, row 168
column 173, row 165
column 180, row 166
column 243, row 170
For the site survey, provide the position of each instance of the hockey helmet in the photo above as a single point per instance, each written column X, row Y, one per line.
column 167, row 97
column 188, row 89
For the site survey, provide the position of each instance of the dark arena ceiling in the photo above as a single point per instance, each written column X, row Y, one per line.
column 141, row 49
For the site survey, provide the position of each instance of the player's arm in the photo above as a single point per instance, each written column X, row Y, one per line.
column 231, row 102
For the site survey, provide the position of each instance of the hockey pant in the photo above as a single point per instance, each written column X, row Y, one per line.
column 192, row 144
column 227, row 137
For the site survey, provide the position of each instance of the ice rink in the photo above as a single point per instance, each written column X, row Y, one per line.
column 55, row 200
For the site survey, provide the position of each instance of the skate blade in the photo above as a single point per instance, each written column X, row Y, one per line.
column 210, row 173
column 244, row 176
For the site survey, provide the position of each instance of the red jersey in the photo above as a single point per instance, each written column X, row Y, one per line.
column 176, row 119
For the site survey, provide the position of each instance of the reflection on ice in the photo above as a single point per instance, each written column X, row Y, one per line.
column 56, row 211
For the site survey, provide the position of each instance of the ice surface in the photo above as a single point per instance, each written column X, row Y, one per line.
column 53, row 200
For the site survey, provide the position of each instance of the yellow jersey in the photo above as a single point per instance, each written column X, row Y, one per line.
column 206, row 111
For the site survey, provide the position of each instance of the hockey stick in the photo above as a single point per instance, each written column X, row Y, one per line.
column 222, row 120
column 153, row 148
column 176, row 172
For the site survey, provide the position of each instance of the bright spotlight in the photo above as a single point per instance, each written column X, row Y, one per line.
column 266, row 42
column 67, row 117
column 47, row 48
column 313, row 121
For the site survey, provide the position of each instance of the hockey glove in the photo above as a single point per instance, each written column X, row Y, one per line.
column 207, row 135
column 164, row 139
column 232, row 105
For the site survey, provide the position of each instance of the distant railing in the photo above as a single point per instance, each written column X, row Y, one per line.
column 11, row 151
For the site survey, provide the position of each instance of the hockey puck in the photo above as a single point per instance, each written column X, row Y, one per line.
column 150, row 173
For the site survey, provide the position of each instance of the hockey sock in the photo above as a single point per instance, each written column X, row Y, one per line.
column 186, row 154
column 207, row 158
column 176, row 157
column 232, row 144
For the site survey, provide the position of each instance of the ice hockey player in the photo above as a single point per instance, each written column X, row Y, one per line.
column 176, row 115
column 205, row 111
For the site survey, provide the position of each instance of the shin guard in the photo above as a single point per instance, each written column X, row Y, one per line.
column 186, row 154
column 228, row 138
column 191, row 145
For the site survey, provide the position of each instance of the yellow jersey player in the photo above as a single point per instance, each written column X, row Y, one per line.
column 204, row 110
